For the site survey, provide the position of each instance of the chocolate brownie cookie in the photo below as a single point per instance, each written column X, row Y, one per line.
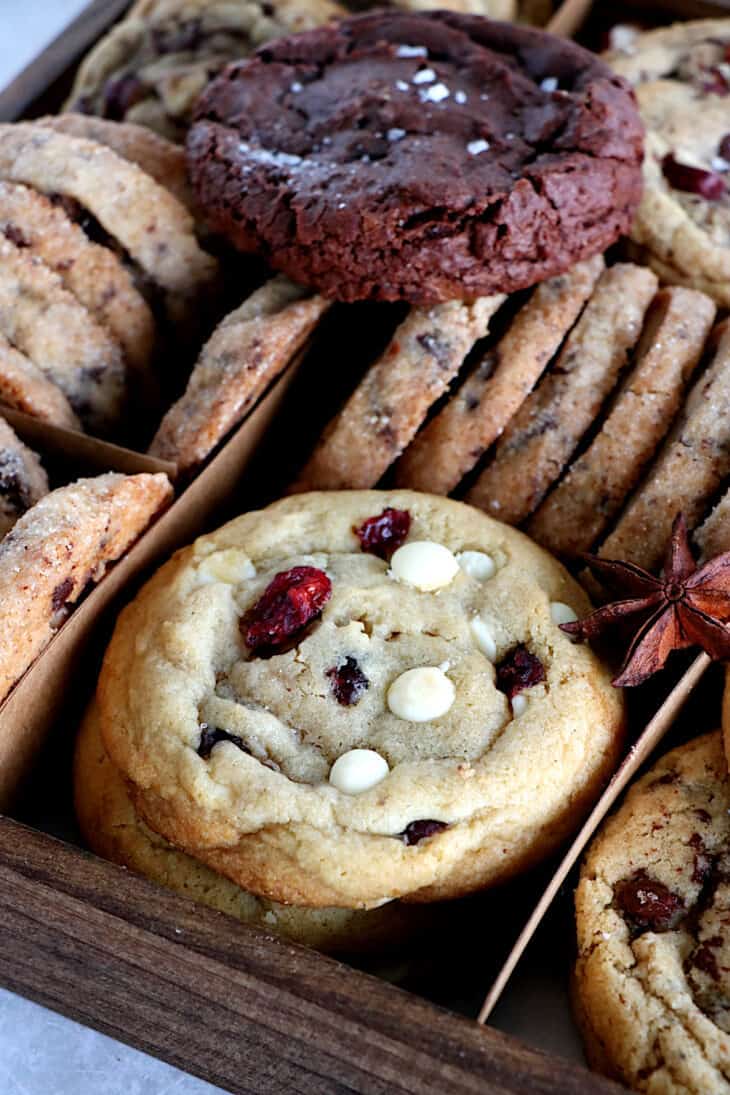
column 424, row 157
column 681, row 75
column 22, row 478
column 245, row 353
column 112, row 829
column 65, row 541
column 351, row 697
column 652, row 984
column 152, row 67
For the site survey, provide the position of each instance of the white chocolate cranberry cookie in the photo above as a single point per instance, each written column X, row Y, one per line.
column 113, row 830
column 23, row 480
column 351, row 697
column 681, row 75
column 652, row 984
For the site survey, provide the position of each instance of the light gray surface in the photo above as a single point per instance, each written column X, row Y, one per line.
column 27, row 26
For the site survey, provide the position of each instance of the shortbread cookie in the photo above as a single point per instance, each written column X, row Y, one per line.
column 681, row 75
column 689, row 470
column 22, row 478
column 23, row 387
column 94, row 274
column 542, row 436
column 65, row 541
column 384, row 412
column 583, row 505
column 713, row 535
column 48, row 324
column 451, row 444
column 327, row 727
column 152, row 67
column 112, row 829
column 155, row 230
column 160, row 158
column 247, row 351
column 651, row 983
column 421, row 157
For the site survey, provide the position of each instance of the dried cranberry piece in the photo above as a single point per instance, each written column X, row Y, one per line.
column 715, row 83
column 382, row 535
column 422, row 830
column 694, row 180
column 519, row 669
column 292, row 599
column 348, row 682
column 723, row 149
column 211, row 735
column 648, row 904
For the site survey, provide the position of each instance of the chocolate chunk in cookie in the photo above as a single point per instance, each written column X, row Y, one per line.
column 420, row 157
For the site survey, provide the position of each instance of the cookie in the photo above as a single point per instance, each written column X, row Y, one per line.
column 713, row 535
column 493, row 9
column 94, row 274
column 384, row 412
column 689, row 470
column 158, row 157
column 23, row 387
column 420, row 157
column 112, row 829
column 451, row 443
column 152, row 67
column 247, row 351
column 680, row 73
column 147, row 222
column 22, row 478
column 48, row 324
column 581, row 508
column 544, row 433
column 65, row 541
column 651, row 982
column 328, row 727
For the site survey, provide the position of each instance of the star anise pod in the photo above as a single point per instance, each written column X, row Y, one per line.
column 684, row 607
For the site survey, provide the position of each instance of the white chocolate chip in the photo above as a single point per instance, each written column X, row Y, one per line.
column 477, row 564
column 423, row 76
column 561, row 613
column 550, row 83
column 475, row 148
column 519, row 704
column 230, row 565
column 420, row 695
column 358, row 770
column 424, row 564
column 484, row 638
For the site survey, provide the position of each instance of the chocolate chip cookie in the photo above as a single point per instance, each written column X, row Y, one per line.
column 66, row 540
column 681, row 75
column 23, row 480
column 151, row 67
column 421, row 157
column 245, row 353
column 351, row 697
column 651, row 983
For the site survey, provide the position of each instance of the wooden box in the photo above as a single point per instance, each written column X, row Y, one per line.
column 232, row 1004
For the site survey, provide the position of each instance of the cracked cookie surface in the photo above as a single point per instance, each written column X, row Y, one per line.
column 328, row 726
column 423, row 157
column 653, row 975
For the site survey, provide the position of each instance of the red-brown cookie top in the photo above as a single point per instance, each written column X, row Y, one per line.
column 418, row 156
